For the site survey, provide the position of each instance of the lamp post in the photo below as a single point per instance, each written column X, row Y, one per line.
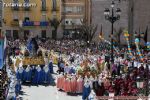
column 112, row 18
column 140, row 84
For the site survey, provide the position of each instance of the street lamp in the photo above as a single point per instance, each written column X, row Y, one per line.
column 112, row 18
column 140, row 84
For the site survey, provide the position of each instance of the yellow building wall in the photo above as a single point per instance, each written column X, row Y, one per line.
column 35, row 13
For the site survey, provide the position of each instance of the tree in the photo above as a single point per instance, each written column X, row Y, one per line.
column 55, row 23
column 88, row 31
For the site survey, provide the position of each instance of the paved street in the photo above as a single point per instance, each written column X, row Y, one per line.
column 45, row 93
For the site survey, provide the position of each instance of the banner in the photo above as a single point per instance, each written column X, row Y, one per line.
column 137, row 41
column 126, row 34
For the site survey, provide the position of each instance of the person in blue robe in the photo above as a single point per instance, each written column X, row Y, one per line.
column 11, row 92
column 86, row 90
column 51, row 67
column 18, row 87
column 28, row 74
column 72, row 71
column 20, row 73
column 46, row 74
column 38, row 75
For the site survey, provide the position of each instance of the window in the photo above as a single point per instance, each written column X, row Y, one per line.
column 68, row 9
column 27, row 3
column 16, row 7
column 79, row 9
column 15, row 34
column 44, row 16
column 43, row 33
column 26, row 33
column 8, row 33
column 54, row 5
column 15, row 16
column 26, row 19
column 43, row 4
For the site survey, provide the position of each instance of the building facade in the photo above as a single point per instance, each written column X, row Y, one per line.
column 1, row 16
column 98, row 18
column 29, row 16
column 134, row 17
column 73, row 12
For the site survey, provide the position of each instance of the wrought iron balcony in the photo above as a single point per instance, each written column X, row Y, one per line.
column 27, row 8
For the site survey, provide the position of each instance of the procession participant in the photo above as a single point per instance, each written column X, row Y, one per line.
column 46, row 76
column 80, row 84
column 46, row 59
column 86, row 90
column 38, row 75
column 67, row 69
column 20, row 73
column 11, row 92
column 92, row 95
column 59, row 80
column 18, row 87
column 72, row 70
column 51, row 66
column 73, row 84
column 28, row 74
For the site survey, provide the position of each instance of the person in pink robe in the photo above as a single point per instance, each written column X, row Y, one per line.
column 73, row 84
column 80, row 85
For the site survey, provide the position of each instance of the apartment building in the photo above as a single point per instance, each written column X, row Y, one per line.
column 24, row 16
column 73, row 12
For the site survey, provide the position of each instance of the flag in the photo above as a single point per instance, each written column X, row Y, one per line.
column 1, row 53
column 5, row 49
column 145, row 36
column 101, row 32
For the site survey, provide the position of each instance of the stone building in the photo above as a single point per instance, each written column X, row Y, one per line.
column 135, row 16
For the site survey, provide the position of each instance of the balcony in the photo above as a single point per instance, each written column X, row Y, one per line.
column 35, row 23
column 15, row 23
column 73, row 1
column 16, row 8
column 73, row 15
column 27, row 9
column 28, row 23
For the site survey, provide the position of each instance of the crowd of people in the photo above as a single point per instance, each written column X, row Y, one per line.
column 85, row 68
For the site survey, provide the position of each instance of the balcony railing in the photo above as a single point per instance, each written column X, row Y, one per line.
column 36, row 23
column 27, row 8
column 73, row 1
column 16, row 8
column 72, row 13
